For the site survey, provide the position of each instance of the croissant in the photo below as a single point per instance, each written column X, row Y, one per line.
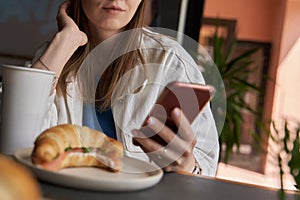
column 69, row 145
column 17, row 181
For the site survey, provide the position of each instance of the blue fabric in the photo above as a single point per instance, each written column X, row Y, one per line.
column 107, row 123
column 101, row 121
column 89, row 118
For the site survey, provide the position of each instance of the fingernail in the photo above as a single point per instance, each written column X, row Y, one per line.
column 150, row 121
column 176, row 112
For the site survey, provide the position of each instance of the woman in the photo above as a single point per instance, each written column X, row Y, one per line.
column 86, row 24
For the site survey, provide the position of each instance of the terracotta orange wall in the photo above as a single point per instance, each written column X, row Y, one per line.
column 275, row 21
column 278, row 24
column 255, row 17
column 257, row 20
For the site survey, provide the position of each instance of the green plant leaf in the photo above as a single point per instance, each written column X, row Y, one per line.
column 294, row 163
column 245, row 55
column 235, row 72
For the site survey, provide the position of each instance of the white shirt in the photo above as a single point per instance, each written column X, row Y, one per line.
column 166, row 61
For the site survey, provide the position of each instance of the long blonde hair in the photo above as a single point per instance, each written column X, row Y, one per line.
column 115, row 70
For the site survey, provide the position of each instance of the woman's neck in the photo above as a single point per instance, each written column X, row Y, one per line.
column 99, row 35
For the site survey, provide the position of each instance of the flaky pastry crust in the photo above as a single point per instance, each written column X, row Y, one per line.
column 60, row 147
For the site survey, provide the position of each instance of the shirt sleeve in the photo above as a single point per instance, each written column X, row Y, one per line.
column 51, row 116
column 206, row 151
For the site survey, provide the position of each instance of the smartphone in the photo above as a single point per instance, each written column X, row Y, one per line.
column 191, row 98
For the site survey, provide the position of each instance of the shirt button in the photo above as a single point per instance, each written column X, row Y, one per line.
column 121, row 101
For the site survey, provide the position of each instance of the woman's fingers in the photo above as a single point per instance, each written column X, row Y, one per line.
column 183, row 140
column 160, row 154
column 63, row 7
column 62, row 13
column 163, row 132
column 155, row 135
column 185, row 131
column 66, row 23
column 163, row 156
column 160, row 129
column 144, row 141
column 171, row 151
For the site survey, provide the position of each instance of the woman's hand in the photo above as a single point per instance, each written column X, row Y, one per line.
column 63, row 44
column 174, row 151
column 67, row 25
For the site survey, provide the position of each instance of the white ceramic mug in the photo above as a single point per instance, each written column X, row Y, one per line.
column 25, row 93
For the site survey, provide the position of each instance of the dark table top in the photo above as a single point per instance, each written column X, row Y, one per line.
column 175, row 186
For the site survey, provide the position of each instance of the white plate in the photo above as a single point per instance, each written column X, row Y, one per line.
column 135, row 175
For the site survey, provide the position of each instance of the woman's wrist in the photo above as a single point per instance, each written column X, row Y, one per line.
column 74, row 36
column 58, row 52
column 70, row 40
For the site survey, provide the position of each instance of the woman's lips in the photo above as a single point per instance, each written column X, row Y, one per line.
column 113, row 9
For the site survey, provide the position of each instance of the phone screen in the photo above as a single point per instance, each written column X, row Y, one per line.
column 189, row 97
